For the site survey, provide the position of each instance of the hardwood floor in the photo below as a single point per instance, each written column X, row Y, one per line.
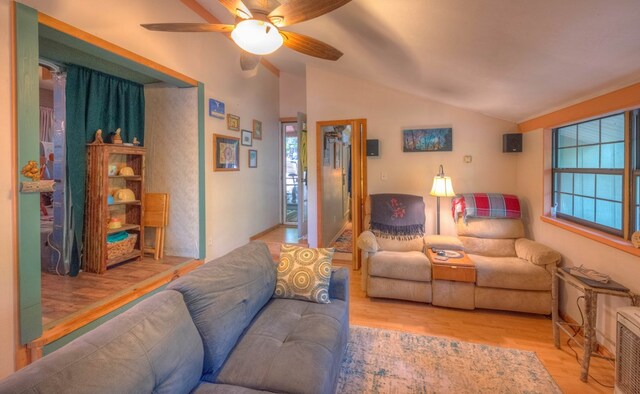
column 504, row 329
column 65, row 295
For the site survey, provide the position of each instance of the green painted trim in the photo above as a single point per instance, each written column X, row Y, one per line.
column 55, row 345
column 103, row 54
column 28, row 148
column 58, row 52
column 201, row 173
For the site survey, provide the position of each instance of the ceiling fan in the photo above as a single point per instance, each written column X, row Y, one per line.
column 257, row 28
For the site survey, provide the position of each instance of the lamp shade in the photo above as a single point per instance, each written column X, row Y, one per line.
column 442, row 187
column 257, row 37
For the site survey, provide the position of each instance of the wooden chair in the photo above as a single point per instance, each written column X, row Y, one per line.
column 156, row 215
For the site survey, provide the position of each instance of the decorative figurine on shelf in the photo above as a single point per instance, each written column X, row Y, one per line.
column 31, row 171
column 98, row 140
column 135, row 141
column 116, row 138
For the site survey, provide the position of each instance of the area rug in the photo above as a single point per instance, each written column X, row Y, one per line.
column 344, row 242
column 382, row 361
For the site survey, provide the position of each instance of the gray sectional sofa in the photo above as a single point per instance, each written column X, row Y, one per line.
column 215, row 330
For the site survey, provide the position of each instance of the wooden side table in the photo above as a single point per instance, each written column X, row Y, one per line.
column 591, row 312
column 459, row 269
column 453, row 281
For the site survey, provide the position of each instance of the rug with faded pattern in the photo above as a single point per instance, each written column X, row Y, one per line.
column 383, row 361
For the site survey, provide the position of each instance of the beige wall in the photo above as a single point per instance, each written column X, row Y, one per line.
column 575, row 249
column 293, row 95
column 387, row 112
column 233, row 215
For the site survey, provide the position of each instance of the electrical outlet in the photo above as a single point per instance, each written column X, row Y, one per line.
column 467, row 159
column 383, row 176
column 210, row 242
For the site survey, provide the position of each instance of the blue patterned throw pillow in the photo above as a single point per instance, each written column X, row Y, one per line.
column 304, row 274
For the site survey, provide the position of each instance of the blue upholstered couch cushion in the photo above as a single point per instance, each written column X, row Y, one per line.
column 224, row 295
column 153, row 347
column 292, row 346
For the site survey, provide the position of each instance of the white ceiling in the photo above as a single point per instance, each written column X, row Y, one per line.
column 511, row 59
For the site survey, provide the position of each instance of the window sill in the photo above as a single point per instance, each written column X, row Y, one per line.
column 598, row 236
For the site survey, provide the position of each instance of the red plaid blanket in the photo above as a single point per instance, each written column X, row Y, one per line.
column 486, row 205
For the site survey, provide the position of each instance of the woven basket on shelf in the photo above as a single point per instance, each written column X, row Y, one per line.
column 121, row 248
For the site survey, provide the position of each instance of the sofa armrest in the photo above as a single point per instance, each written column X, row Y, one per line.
column 367, row 242
column 443, row 242
column 536, row 253
column 339, row 284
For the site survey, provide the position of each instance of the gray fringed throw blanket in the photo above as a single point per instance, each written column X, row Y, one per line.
column 397, row 216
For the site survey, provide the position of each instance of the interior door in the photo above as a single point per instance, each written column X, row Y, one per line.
column 303, row 218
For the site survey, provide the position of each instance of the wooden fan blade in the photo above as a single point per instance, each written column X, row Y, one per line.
column 189, row 27
column 296, row 11
column 237, row 5
column 310, row 46
column 248, row 61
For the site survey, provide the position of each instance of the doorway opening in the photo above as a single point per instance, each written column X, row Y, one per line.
column 341, row 167
column 41, row 282
column 290, row 157
column 293, row 169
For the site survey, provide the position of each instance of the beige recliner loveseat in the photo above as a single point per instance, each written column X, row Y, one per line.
column 512, row 273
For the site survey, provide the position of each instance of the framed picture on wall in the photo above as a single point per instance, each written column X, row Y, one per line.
column 247, row 138
column 226, row 153
column 216, row 108
column 253, row 158
column 427, row 140
column 257, row 129
column 233, row 122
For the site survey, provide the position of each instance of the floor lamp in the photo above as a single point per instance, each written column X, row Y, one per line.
column 441, row 188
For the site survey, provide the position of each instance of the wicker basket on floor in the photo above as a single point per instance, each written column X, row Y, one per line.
column 121, row 248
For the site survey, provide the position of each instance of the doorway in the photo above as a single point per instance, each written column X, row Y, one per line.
column 39, row 36
column 341, row 168
column 290, row 157
column 294, row 171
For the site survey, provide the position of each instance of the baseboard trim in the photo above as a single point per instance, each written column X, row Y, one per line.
column 261, row 233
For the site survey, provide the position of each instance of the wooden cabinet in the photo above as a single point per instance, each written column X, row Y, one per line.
column 104, row 162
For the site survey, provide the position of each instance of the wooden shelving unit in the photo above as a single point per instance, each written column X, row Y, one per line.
column 98, row 212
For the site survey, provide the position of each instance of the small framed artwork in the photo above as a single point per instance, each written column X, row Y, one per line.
column 226, row 153
column 247, row 138
column 216, row 108
column 427, row 140
column 257, row 129
column 233, row 122
column 253, row 158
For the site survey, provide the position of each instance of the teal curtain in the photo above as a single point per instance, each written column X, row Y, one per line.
column 95, row 101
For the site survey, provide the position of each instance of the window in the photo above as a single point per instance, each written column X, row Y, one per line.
column 589, row 164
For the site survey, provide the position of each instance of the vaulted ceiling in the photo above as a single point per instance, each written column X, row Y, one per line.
column 511, row 59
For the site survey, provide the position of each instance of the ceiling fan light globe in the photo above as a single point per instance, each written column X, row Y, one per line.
column 257, row 37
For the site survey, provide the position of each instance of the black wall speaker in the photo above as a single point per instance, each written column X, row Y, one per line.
column 372, row 147
column 512, row 142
